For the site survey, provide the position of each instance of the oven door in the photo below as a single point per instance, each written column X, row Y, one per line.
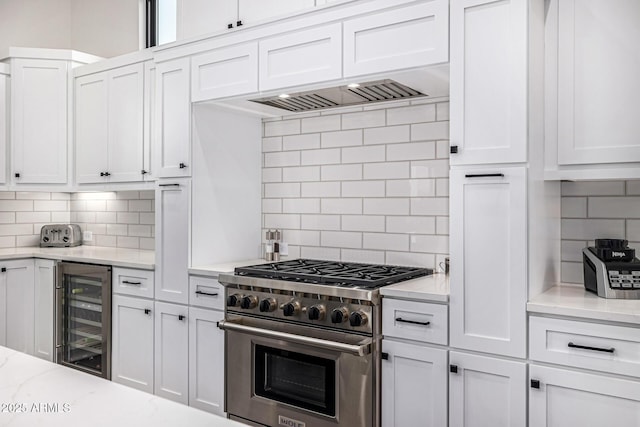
column 297, row 376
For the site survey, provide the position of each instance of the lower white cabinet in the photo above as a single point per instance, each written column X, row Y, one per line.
column 44, row 288
column 486, row 391
column 206, row 360
column 414, row 385
column 171, row 352
column 132, row 344
column 17, row 300
column 560, row 397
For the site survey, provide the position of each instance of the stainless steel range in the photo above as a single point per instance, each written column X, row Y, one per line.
column 302, row 342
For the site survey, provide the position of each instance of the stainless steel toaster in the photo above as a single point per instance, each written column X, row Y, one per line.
column 60, row 235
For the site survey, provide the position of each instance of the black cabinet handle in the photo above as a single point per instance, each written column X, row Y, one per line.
column 535, row 384
column 453, row 369
column 107, row 174
column 484, row 175
column 206, row 293
column 101, row 173
column 238, row 23
column 385, row 356
column 585, row 347
column 229, row 26
column 168, row 185
column 147, row 311
column 17, row 175
column 413, row 322
column 453, row 149
column 128, row 282
column 181, row 317
column 143, row 172
column 3, row 270
column 182, row 165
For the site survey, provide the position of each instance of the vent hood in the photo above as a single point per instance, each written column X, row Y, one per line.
column 341, row 96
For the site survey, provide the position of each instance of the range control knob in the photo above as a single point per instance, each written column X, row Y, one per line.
column 358, row 318
column 339, row 315
column 291, row 308
column 249, row 302
column 316, row 312
column 234, row 300
column 267, row 305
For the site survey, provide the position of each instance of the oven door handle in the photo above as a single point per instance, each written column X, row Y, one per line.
column 356, row 349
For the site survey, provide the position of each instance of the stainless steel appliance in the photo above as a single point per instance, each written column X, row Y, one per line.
column 83, row 317
column 611, row 269
column 60, row 235
column 302, row 342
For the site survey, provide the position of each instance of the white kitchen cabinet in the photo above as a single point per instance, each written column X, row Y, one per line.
column 405, row 37
column 172, row 240
column 44, row 285
column 110, row 125
column 206, row 360
column 560, row 397
column 488, row 235
column 592, row 77
column 172, row 121
column 303, row 57
column 414, row 385
column 39, row 121
column 251, row 11
column 225, row 72
column 171, row 352
column 148, row 167
column 489, row 59
column 485, row 391
column 4, row 117
column 132, row 348
column 17, row 281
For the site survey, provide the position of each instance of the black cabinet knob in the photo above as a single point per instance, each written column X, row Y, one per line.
column 3, row 269
column 181, row 317
column 238, row 23
column 453, row 369
column 453, row 149
column 182, row 165
column 535, row 384
column 17, row 175
column 385, row 356
column 143, row 172
column 229, row 26
column 147, row 311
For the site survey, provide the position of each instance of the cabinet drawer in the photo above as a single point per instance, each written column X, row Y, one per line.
column 128, row 281
column 607, row 348
column 206, row 292
column 415, row 320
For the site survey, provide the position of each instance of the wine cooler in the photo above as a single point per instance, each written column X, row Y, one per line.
column 83, row 317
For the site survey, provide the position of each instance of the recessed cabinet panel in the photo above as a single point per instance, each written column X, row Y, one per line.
column 250, row 11
column 407, row 37
column 225, row 72
column 4, row 129
column 91, row 138
column 19, row 301
column 172, row 352
column 301, row 57
column 198, row 17
column 44, row 283
column 598, row 63
column 489, row 81
column 489, row 241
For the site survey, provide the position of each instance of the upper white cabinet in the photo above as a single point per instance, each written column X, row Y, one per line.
column 301, row 57
column 395, row 39
column 225, row 72
column 251, row 11
column 593, row 84
column 109, row 125
column 39, row 120
column 4, row 114
column 489, row 54
column 172, row 121
column 488, row 226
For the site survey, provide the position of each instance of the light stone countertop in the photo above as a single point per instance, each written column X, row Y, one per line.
column 434, row 288
column 575, row 301
column 214, row 270
column 119, row 257
column 73, row 398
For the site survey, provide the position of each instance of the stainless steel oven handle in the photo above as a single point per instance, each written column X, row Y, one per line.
column 358, row 350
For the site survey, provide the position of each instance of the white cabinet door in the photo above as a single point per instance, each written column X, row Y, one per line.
column 172, row 352
column 91, row 138
column 132, row 345
column 302, row 57
column 414, row 385
column 148, row 167
column 173, row 118
column 44, row 284
column 567, row 398
column 488, row 234
column 484, row 391
column 39, row 121
column 489, row 81
column 172, row 241
column 405, row 37
column 125, row 128
column 598, row 63
column 206, row 360
column 198, row 17
column 251, row 11
column 225, row 72
column 4, row 129
column 20, row 305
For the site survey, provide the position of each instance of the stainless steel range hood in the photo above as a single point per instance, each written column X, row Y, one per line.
column 341, row 96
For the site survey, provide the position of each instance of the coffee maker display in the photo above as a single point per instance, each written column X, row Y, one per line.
column 611, row 269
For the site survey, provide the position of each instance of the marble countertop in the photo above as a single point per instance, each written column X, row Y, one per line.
column 119, row 257
column 574, row 301
column 34, row 392
column 434, row 288
column 214, row 270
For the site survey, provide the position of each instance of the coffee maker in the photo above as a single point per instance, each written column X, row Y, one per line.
column 611, row 269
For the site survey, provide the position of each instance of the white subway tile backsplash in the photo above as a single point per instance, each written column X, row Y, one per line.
column 341, row 206
column 345, row 138
column 272, row 175
column 341, row 239
column 109, row 217
column 61, row 217
column 7, row 195
column 282, row 158
column 7, row 217
column 363, row 189
column 388, row 170
column 364, row 119
column 31, row 217
column 411, row 188
column 16, row 205
column 633, row 232
column 437, row 244
column 26, row 241
column 117, row 205
column 321, row 222
column 411, row 151
column 117, row 229
column 125, row 218
column 374, row 223
column 289, row 189
column 319, row 252
column 384, row 206
column 430, row 169
column 301, row 174
column 301, row 237
column 442, row 111
column 284, row 127
column 442, row 225
column 272, row 144
column 96, row 205
column 301, row 142
column 321, row 124
column 360, row 255
column 147, row 243
column 79, row 205
column 613, row 207
column 411, row 224
column 106, row 240
column 571, row 250
column 430, row 131
column 593, row 188
column 32, row 195
column 321, row 157
column 430, row 206
column 85, row 216
column 7, row 241
column 341, row 172
column 368, row 154
column 139, row 230
column 128, row 242
column 412, row 114
column 320, row 189
column 442, row 187
column 571, row 272
column 311, row 206
column 574, row 207
column 633, row 188
column 590, row 229
column 15, row 229
column 442, row 149
column 286, row 221
column 387, row 135
column 385, row 241
column 271, row 205
column 411, row 258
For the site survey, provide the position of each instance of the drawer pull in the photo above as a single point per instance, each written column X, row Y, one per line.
column 584, row 347
column 413, row 322
column 484, row 175
column 206, row 293
column 128, row 282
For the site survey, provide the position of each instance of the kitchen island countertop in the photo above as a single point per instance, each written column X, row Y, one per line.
column 119, row 257
column 34, row 392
